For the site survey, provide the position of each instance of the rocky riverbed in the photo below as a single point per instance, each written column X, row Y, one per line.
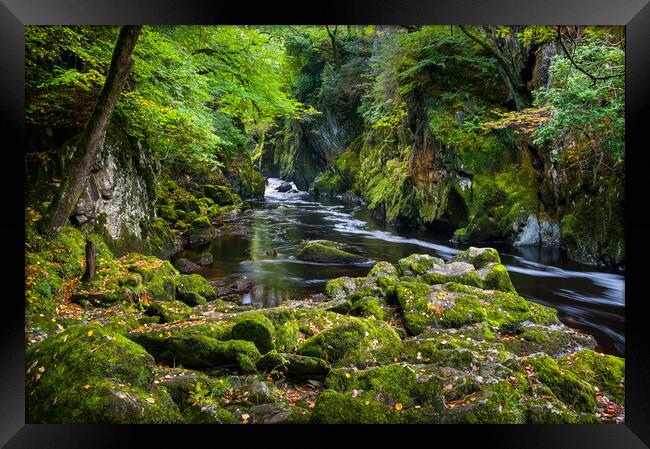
column 420, row 341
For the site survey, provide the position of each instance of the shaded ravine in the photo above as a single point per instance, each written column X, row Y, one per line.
column 587, row 299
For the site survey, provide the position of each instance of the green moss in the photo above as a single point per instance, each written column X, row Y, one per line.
column 208, row 412
column 257, row 328
column 324, row 251
column 194, row 289
column 169, row 311
column 338, row 408
column 395, row 383
column 417, row 264
column 201, row 222
column 59, row 367
column 497, row 278
column 605, row 371
column 220, row 194
column 183, row 384
column 293, row 366
column 157, row 339
column 571, row 390
column 199, row 352
column 479, row 257
column 340, row 287
column 337, row 342
column 287, row 336
column 499, row 403
column 593, row 229
column 368, row 306
column 454, row 305
column 548, row 411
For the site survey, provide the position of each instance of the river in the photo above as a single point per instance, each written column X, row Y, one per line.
column 586, row 298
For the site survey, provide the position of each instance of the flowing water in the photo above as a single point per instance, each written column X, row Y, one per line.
column 587, row 299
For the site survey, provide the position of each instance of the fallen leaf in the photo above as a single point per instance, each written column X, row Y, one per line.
column 245, row 417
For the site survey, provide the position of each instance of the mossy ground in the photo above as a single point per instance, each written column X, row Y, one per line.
column 467, row 354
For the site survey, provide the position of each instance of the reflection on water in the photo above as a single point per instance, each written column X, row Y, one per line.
column 586, row 299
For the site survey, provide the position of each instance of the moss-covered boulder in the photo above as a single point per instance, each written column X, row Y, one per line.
column 607, row 372
column 157, row 338
column 340, row 288
column 478, row 267
column 220, row 194
column 478, row 257
column 87, row 374
column 418, row 264
column 194, row 289
column 335, row 343
column 325, row 251
column 392, row 384
column 455, row 305
column 200, row 352
column 201, row 222
column 256, row 328
column 287, row 336
column 341, row 408
column 169, row 311
column 293, row 366
column 208, row 412
column 564, row 384
column 182, row 384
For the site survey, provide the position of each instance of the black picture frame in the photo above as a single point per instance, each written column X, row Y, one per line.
column 14, row 14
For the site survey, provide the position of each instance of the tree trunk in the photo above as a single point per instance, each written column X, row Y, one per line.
column 335, row 47
column 94, row 132
column 513, row 79
column 91, row 262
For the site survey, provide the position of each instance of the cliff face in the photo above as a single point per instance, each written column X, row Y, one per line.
column 120, row 195
column 431, row 165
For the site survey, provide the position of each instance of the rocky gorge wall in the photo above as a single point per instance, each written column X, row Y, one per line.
column 430, row 164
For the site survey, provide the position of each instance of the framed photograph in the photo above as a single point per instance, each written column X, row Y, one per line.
column 413, row 213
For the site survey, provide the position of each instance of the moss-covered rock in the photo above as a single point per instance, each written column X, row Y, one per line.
column 337, row 342
column 208, row 412
column 325, row 251
column 479, row 257
column 340, row 287
column 455, row 305
column 571, row 390
column 194, row 289
column 201, row 222
column 200, row 352
column 256, row 328
column 293, row 366
column 416, row 264
column 341, row 408
column 287, row 337
column 394, row 383
column 182, row 384
column 169, row 311
column 607, row 372
column 220, row 194
column 87, row 374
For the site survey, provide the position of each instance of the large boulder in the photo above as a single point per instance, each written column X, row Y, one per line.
column 284, row 187
column 325, row 251
column 194, row 289
column 88, row 374
column 256, row 328
column 186, row 266
column 293, row 366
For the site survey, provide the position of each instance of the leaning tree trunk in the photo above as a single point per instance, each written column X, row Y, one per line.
column 94, row 132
